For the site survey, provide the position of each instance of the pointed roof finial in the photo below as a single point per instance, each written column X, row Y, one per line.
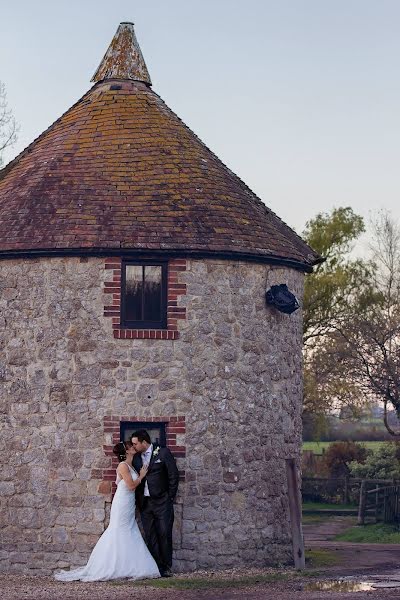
column 123, row 59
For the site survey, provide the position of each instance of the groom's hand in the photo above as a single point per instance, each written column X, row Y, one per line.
column 143, row 472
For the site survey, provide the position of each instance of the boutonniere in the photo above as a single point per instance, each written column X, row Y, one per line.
column 156, row 451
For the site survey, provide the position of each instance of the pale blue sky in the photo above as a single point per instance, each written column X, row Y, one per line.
column 301, row 98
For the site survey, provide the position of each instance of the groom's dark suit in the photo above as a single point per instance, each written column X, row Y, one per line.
column 157, row 510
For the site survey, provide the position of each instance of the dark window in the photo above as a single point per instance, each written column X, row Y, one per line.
column 156, row 431
column 144, row 295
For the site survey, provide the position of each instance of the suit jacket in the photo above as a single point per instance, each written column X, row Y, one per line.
column 162, row 476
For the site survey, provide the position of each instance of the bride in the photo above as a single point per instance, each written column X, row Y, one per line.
column 120, row 551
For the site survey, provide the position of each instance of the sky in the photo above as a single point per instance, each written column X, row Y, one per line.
column 300, row 98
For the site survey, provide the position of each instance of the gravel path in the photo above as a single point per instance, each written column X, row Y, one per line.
column 380, row 564
column 15, row 587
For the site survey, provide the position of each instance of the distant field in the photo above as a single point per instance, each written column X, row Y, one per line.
column 317, row 447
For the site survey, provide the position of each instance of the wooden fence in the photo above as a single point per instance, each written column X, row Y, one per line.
column 313, row 465
column 380, row 503
column 342, row 490
column 378, row 499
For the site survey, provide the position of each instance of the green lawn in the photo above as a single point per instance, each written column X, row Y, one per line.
column 210, row 582
column 378, row 533
column 308, row 518
column 311, row 506
column 310, row 512
column 317, row 447
column 201, row 583
column 319, row 557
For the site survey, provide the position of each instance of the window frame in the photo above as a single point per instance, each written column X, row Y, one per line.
column 128, row 324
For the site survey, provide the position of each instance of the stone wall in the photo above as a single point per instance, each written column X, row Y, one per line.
column 234, row 373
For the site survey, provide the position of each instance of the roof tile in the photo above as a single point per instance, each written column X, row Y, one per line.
column 120, row 170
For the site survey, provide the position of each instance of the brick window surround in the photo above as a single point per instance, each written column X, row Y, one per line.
column 175, row 289
column 174, row 426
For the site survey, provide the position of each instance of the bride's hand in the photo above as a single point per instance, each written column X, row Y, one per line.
column 143, row 471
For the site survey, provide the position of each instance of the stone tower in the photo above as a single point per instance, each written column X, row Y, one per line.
column 133, row 270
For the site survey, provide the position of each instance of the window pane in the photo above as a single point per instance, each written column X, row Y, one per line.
column 133, row 292
column 156, row 432
column 152, row 293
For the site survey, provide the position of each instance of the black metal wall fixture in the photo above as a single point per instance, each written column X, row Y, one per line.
column 281, row 298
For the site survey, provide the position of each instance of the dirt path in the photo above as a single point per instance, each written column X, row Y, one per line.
column 326, row 529
column 365, row 559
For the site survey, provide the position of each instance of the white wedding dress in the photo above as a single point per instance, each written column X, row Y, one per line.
column 121, row 551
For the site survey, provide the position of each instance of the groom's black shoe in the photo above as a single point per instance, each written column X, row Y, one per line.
column 166, row 573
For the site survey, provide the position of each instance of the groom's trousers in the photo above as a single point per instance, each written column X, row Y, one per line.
column 157, row 516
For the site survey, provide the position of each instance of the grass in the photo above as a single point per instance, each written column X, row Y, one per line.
column 319, row 557
column 310, row 518
column 311, row 506
column 195, row 582
column 318, row 447
column 377, row 533
column 201, row 583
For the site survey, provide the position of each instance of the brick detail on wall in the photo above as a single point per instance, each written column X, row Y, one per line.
column 174, row 426
column 175, row 289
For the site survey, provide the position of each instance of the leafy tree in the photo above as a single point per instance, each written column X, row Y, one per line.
column 329, row 295
column 384, row 463
column 327, row 384
column 326, row 293
column 353, row 355
column 8, row 125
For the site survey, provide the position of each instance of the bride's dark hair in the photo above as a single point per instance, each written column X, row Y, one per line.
column 120, row 450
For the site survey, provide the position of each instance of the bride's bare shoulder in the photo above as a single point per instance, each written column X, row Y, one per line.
column 122, row 468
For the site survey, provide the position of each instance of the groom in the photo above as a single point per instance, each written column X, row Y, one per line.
column 155, row 497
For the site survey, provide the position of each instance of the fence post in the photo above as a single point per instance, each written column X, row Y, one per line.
column 363, row 500
column 385, row 507
column 346, row 490
column 295, row 513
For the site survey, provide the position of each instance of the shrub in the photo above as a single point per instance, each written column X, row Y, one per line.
column 384, row 463
column 340, row 454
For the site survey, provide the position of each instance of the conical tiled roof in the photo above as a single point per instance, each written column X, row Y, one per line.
column 120, row 173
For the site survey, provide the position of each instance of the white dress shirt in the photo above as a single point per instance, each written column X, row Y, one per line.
column 146, row 456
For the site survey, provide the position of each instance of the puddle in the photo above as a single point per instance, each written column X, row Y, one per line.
column 339, row 585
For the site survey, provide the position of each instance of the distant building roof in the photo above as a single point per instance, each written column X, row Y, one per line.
column 120, row 173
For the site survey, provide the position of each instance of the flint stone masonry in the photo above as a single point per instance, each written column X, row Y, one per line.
column 234, row 373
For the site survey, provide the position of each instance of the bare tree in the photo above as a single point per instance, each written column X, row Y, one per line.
column 8, row 125
column 370, row 354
